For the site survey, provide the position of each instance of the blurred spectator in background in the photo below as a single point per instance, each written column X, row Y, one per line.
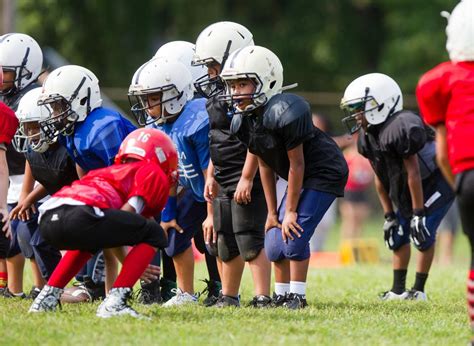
column 446, row 235
column 354, row 207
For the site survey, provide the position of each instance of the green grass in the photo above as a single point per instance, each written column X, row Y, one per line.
column 344, row 309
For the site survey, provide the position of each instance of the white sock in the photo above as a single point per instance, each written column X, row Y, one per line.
column 298, row 287
column 281, row 288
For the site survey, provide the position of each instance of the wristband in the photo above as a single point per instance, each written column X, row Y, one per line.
column 390, row 216
column 171, row 209
column 418, row 212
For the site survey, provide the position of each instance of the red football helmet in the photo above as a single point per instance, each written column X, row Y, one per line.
column 150, row 145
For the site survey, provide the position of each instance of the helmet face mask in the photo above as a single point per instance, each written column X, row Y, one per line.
column 258, row 65
column 144, row 106
column 61, row 118
column 29, row 134
column 246, row 102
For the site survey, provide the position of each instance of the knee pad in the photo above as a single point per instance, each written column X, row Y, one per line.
column 4, row 244
column 274, row 245
column 250, row 244
column 297, row 249
column 226, row 246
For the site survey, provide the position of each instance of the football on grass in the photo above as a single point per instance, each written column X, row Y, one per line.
column 75, row 295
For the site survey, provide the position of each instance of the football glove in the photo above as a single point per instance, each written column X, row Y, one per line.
column 390, row 227
column 418, row 231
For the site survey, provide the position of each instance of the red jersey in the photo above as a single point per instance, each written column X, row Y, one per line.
column 8, row 124
column 113, row 186
column 446, row 95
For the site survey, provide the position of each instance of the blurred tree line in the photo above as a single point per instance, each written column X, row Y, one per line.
column 323, row 44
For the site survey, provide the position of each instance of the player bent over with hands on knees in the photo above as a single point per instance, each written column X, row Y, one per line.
column 401, row 150
column 239, row 204
column 278, row 129
column 107, row 208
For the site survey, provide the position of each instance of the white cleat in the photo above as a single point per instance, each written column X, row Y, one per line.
column 389, row 295
column 47, row 299
column 181, row 298
column 115, row 304
column 417, row 295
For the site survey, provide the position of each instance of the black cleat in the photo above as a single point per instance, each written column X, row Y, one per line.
column 96, row 290
column 150, row 293
column 226, row 301
column 213, row 290
column 295, row 301
column 33, row 293
column 279, row 299
column 167, row 289
column 261, row 302
column 8, row 294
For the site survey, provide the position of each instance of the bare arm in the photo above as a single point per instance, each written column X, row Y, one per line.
column 80, row 171
column 442, row 154
column 385, row 200
column 414, row 182
column 269, row 186
column 295, row 178
column 243, row 191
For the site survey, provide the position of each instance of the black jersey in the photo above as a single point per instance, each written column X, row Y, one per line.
column 227, row 152
column 286, row 123
column 53, row 169
column 388, row 144
column 16, row 160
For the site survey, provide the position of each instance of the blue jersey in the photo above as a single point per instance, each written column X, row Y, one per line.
column 96, row 140
column 190, row 133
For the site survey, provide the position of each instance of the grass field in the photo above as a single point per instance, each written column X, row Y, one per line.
column 344, row 310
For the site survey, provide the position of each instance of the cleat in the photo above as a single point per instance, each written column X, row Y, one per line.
column 96, row 290
column 6, row 293
column 115, row 304
column 213, row 290
column 227, row 301
column 47, row 299
column 33, row 293
column 167, row 288
column 180, row 298
column 416, row 295
column 389, row 295
column 279, row 299
column 261, row 301
column 149, row 293
column 295, row 301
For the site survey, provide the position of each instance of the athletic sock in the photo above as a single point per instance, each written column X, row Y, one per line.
column 420, row 280
column 399, row 281
column 169, row 272
column 298, row 287
column 470, row 297
column 282, row 288
column 134, row 265
column 3, row 279
column 69, row 266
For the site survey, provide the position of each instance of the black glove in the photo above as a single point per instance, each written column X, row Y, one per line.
column 418, row 231
column 390, row 227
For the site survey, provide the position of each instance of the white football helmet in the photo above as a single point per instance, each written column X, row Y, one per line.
column 69, row 93
column 262, row 67
column 460, row 32
column 183, row 52
column 213, row 46
column 171, row 78
column 22, row 54
column 376, row 96
column 29, row 114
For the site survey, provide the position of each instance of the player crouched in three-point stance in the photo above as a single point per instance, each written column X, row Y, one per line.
column 401, row 151
column 278, row 129
column 108, row 208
